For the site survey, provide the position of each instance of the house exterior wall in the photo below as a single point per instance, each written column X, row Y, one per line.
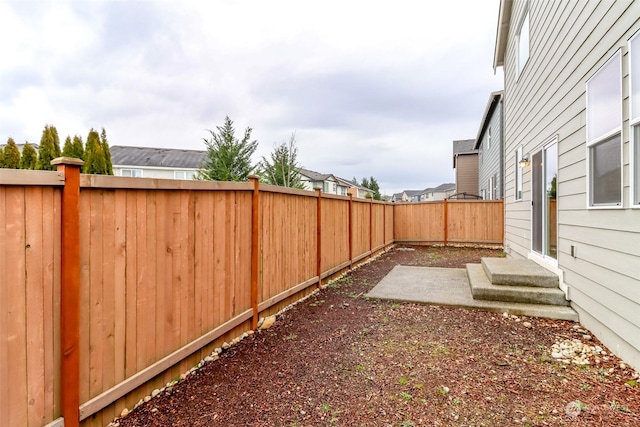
column 150, row 172
column 569, row 42
column 467, row 174
column 490, row 157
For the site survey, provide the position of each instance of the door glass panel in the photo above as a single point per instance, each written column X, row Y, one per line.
column 551, row 178
column 536, row 201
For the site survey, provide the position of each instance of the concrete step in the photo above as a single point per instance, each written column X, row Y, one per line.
column 483, row 289
column 518, row 272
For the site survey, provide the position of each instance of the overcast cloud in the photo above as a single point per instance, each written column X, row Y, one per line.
column 368, row 87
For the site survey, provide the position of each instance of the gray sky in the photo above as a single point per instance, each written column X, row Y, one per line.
column 369, row 87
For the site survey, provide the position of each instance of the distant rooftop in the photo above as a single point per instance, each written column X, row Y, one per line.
column 156, row 157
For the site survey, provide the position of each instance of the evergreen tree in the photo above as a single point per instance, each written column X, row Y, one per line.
column 29, row 157
column 49, row 148
column 73, row 148
column 94, row 162
column 11, row 155
column 282, row 168
column 107, row 152
column 228, row 159
column 372, row 185
column 1, row 158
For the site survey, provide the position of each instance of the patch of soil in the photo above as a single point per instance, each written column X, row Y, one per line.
column 341, row 359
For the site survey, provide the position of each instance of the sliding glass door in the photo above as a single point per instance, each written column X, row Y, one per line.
column 544, row 218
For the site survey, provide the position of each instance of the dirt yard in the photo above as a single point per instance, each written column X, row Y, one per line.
column 341, row 359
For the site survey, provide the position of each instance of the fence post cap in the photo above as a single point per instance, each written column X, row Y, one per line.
column 67, row 161
column 253, row 177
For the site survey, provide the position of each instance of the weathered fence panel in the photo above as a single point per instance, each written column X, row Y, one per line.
column 166, row 271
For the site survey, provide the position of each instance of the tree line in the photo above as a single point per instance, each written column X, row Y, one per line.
column 228, row 158
column 95, row 152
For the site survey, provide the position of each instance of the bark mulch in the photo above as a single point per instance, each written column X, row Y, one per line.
column 341, row 359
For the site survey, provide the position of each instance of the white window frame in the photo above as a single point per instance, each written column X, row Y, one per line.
column 519, row 175
column 521, row 63
column 176, row 174
column 133, row 173
column 597, row 139
column 489, row 138
column 634, row 119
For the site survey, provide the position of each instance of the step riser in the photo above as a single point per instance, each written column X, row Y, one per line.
column 523, row 297
column 510, row 272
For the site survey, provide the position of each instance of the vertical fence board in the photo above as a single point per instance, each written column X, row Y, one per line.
column 131, row 275
column 97, row 345
column 16, row 313
column 35, row 216
column 107, row 334
column 120, row 290
column 85, row 304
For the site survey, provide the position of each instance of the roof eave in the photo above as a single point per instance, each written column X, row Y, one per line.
column 494, row 98
column 504, row 22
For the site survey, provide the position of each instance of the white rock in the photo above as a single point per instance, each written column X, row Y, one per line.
column 155, row 392
column 208, row 359
column 124, row 412
column 225, row 345
column 526, row 325
column 147, row 398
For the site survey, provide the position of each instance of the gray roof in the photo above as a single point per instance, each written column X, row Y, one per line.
column 350, row 183
column 411, row 193
column 315, row 176
column 463, row 146
column 445, row 187
column 156, row 157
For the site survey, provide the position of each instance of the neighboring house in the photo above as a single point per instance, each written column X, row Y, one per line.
column 353, row 188
column 148, row 162
column 465, row 162
column 572, row 121
column 441, row 192
column 328, row 183
column 399, row 197
column 489, row 144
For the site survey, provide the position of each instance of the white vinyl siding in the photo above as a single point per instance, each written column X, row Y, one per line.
column 604, row 126
column 634, row 119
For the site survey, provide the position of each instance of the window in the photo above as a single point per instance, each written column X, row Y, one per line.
column 634, row 73
column 518, row 174
column 522, row 39
column 489, row 139
column 604, row 142
column 482, row 193
column 494, row 186
column 180, row 174
column 136, row 173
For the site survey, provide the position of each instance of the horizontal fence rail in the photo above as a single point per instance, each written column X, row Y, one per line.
column 166, row 271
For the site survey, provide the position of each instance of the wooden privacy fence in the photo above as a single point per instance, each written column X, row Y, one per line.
column 111, row 287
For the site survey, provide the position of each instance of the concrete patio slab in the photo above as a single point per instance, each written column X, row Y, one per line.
column 450, row 287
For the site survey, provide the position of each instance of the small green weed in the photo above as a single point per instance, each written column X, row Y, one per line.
column 442, row 390
column 618, row 407
column 406, row 396
column 632, row 383
column 408, row 423
column 403, row 381
column 326, row 407
column 292, row 336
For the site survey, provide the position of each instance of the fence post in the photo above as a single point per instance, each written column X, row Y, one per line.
column 319, row 237
column 446, row 222
column 70, row 290
column 255, row 248
column 350, row 231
